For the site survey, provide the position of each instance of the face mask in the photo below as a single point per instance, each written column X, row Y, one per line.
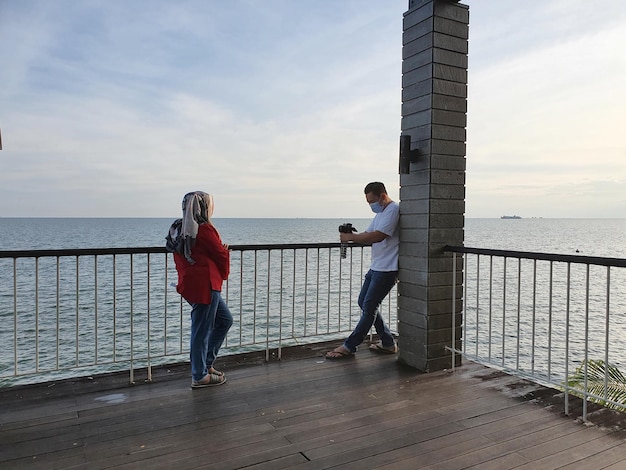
column 376, row 207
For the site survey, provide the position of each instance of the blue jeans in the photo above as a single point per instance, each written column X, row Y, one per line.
column 376, row 286
column 209, row 326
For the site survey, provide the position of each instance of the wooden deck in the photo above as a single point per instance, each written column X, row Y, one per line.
column 304, row 413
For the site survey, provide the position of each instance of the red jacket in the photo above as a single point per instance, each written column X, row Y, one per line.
column 211, row 268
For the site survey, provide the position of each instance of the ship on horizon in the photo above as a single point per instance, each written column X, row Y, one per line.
column 510, row 217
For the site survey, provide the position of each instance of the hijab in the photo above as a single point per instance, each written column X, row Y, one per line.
column 197, row 210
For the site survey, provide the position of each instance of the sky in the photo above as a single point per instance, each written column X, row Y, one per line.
column 287, row 108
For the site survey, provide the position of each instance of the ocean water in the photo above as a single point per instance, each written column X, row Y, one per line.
column 70, row 233
column 586, row 237
column 589, row 237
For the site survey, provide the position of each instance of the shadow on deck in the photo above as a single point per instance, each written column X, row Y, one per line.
column 305, row 413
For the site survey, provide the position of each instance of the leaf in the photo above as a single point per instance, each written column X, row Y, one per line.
column 603, row 380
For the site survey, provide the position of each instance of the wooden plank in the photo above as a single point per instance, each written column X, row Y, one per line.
column 577, row 454
column 512, row 460
column 308, row 413
column 612, row 457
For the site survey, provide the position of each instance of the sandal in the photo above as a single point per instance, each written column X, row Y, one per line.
column 209, row 380
column 339, row 353
column 216, row 372
column 379, row 348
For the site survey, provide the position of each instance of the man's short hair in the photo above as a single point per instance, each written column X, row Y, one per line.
column 376, row 188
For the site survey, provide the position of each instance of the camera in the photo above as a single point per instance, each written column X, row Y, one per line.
column 345, row 228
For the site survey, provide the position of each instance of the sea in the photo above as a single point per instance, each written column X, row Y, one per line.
column 587, row 237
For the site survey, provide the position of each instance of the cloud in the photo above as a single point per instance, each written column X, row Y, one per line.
column 260, row 104
column 287, row 109
column 542, row 125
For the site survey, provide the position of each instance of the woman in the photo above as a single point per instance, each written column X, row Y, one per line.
column 203, row 263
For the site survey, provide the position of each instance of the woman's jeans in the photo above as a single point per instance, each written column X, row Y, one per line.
column 376, row 286
column 209, row 326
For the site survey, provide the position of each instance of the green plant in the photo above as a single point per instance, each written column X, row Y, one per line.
column 597, row 370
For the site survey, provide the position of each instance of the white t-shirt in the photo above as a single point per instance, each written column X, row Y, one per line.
column 385, row 253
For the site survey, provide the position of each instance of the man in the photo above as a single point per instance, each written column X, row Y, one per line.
column 382, row 235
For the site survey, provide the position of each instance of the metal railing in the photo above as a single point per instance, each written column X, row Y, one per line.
column 68, row 313
column 545, row 317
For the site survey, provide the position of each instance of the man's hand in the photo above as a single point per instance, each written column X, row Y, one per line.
column 346, row 237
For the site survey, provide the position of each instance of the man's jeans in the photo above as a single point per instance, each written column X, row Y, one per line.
column 376, row 286
column 209, row 326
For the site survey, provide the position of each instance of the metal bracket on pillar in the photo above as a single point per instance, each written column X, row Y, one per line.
column 407, row 156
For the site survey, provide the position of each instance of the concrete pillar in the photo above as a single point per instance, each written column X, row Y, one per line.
column 432, row 187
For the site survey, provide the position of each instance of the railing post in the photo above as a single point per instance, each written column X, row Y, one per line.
column 101, row 324
column 453, row 308
column 432, row 179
